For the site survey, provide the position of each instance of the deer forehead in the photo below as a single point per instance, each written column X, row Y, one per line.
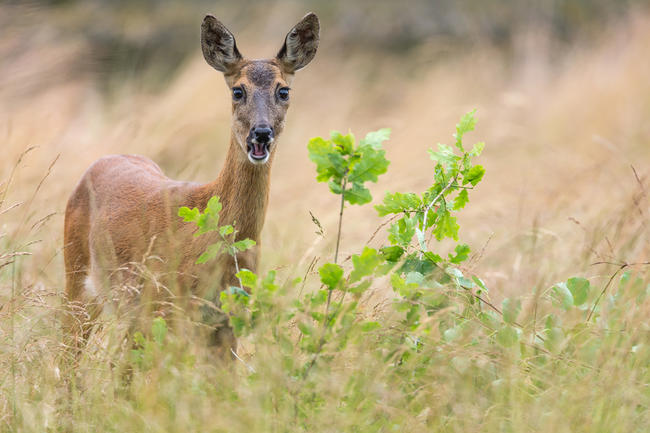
column 261, row 74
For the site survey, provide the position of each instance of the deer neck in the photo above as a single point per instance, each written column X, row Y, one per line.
column 243, row 188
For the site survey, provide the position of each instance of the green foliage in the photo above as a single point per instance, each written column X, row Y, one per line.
column 432, row 210
column 208, row 221
column 146, row 350
column 330, row 275
column 347, row 166
column 328, row 318
column 439, row 326
column 579, row 288
column 511, row 309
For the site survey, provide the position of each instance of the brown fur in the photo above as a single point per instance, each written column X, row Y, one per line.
column 124, row 208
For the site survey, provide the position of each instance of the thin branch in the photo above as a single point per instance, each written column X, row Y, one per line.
column 234, row 256
column 250, row 369
column 621, row 267
column 321, row 343
column 338, row 234
column 390, row 220
column 638, row 179
column 428, row 208
column 621, row 264
column 336, row 253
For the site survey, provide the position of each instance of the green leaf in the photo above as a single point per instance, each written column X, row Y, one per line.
column 335, row 186
column 305, row 328
column 445, row 156
column 214, row 206
column 446, row 225
column 139, row 339
column 479, row 282
column 330, row 274
column 359, row 288
column 226, row 230
column 466, row 124
column 507, row 336
column 235, row 290
column 329, row 162
column 398, row 203
column 189, row 215
column 473, row 175
column 402, row 231
column 372, row 163
column 511, row 309
column 344, row 142
column 209, row 219
column 370, row 326
column 244, row 244
column 210, row 252
column 397, row 282
column 461, row 200
column 562, row 296
column 364, row 264
column 421, row 240
column 415, row 278
column 247, row 278
column 358, row 194
column 159, row 330
column 553, row 334
column 413, row 262
column 202, row 224
column 392, row 254
column 579, row 288
column 375, row 139
column 268, row 283
column 477, row 149
column 319, row 298
column 238, row 325
column 452, row 334
column 432, row 257
column 462, row 252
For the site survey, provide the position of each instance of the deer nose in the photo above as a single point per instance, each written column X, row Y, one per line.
column 262, row 134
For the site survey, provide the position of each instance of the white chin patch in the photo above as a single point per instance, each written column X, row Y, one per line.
column 258, row 161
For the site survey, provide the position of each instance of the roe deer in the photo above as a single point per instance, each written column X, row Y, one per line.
column 124, row 208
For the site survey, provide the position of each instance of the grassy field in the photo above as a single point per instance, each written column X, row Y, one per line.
column 566, row 194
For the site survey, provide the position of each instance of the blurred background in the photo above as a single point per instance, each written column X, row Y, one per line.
column 562, row 89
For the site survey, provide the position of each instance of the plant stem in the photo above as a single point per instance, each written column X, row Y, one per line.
column 234, row 256
column 428, row 208
column 329, row 292
column 591, row 312
column 338, row 241
column 338, row 234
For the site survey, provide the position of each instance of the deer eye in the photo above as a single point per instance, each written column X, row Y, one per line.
column 237, row 93
column 283, row 93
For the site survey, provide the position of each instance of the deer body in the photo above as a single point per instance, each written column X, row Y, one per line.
column 125, row 209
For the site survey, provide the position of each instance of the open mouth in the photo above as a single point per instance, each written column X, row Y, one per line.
column 258, row 152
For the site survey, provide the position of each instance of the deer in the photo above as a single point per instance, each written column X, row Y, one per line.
column 124, row 208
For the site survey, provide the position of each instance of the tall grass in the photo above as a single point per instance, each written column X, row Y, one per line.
column 565, row 194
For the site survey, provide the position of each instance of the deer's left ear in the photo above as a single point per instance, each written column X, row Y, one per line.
column 300, row 45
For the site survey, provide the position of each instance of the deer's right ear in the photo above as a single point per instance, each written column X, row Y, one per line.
column 218, row 45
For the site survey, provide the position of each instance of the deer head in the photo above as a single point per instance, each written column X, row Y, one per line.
column 260, row 88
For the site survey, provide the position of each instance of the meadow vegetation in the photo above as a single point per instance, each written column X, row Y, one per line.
column 503, row 287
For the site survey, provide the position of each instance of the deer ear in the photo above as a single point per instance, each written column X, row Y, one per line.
column 300, row 45
column 218, row 45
